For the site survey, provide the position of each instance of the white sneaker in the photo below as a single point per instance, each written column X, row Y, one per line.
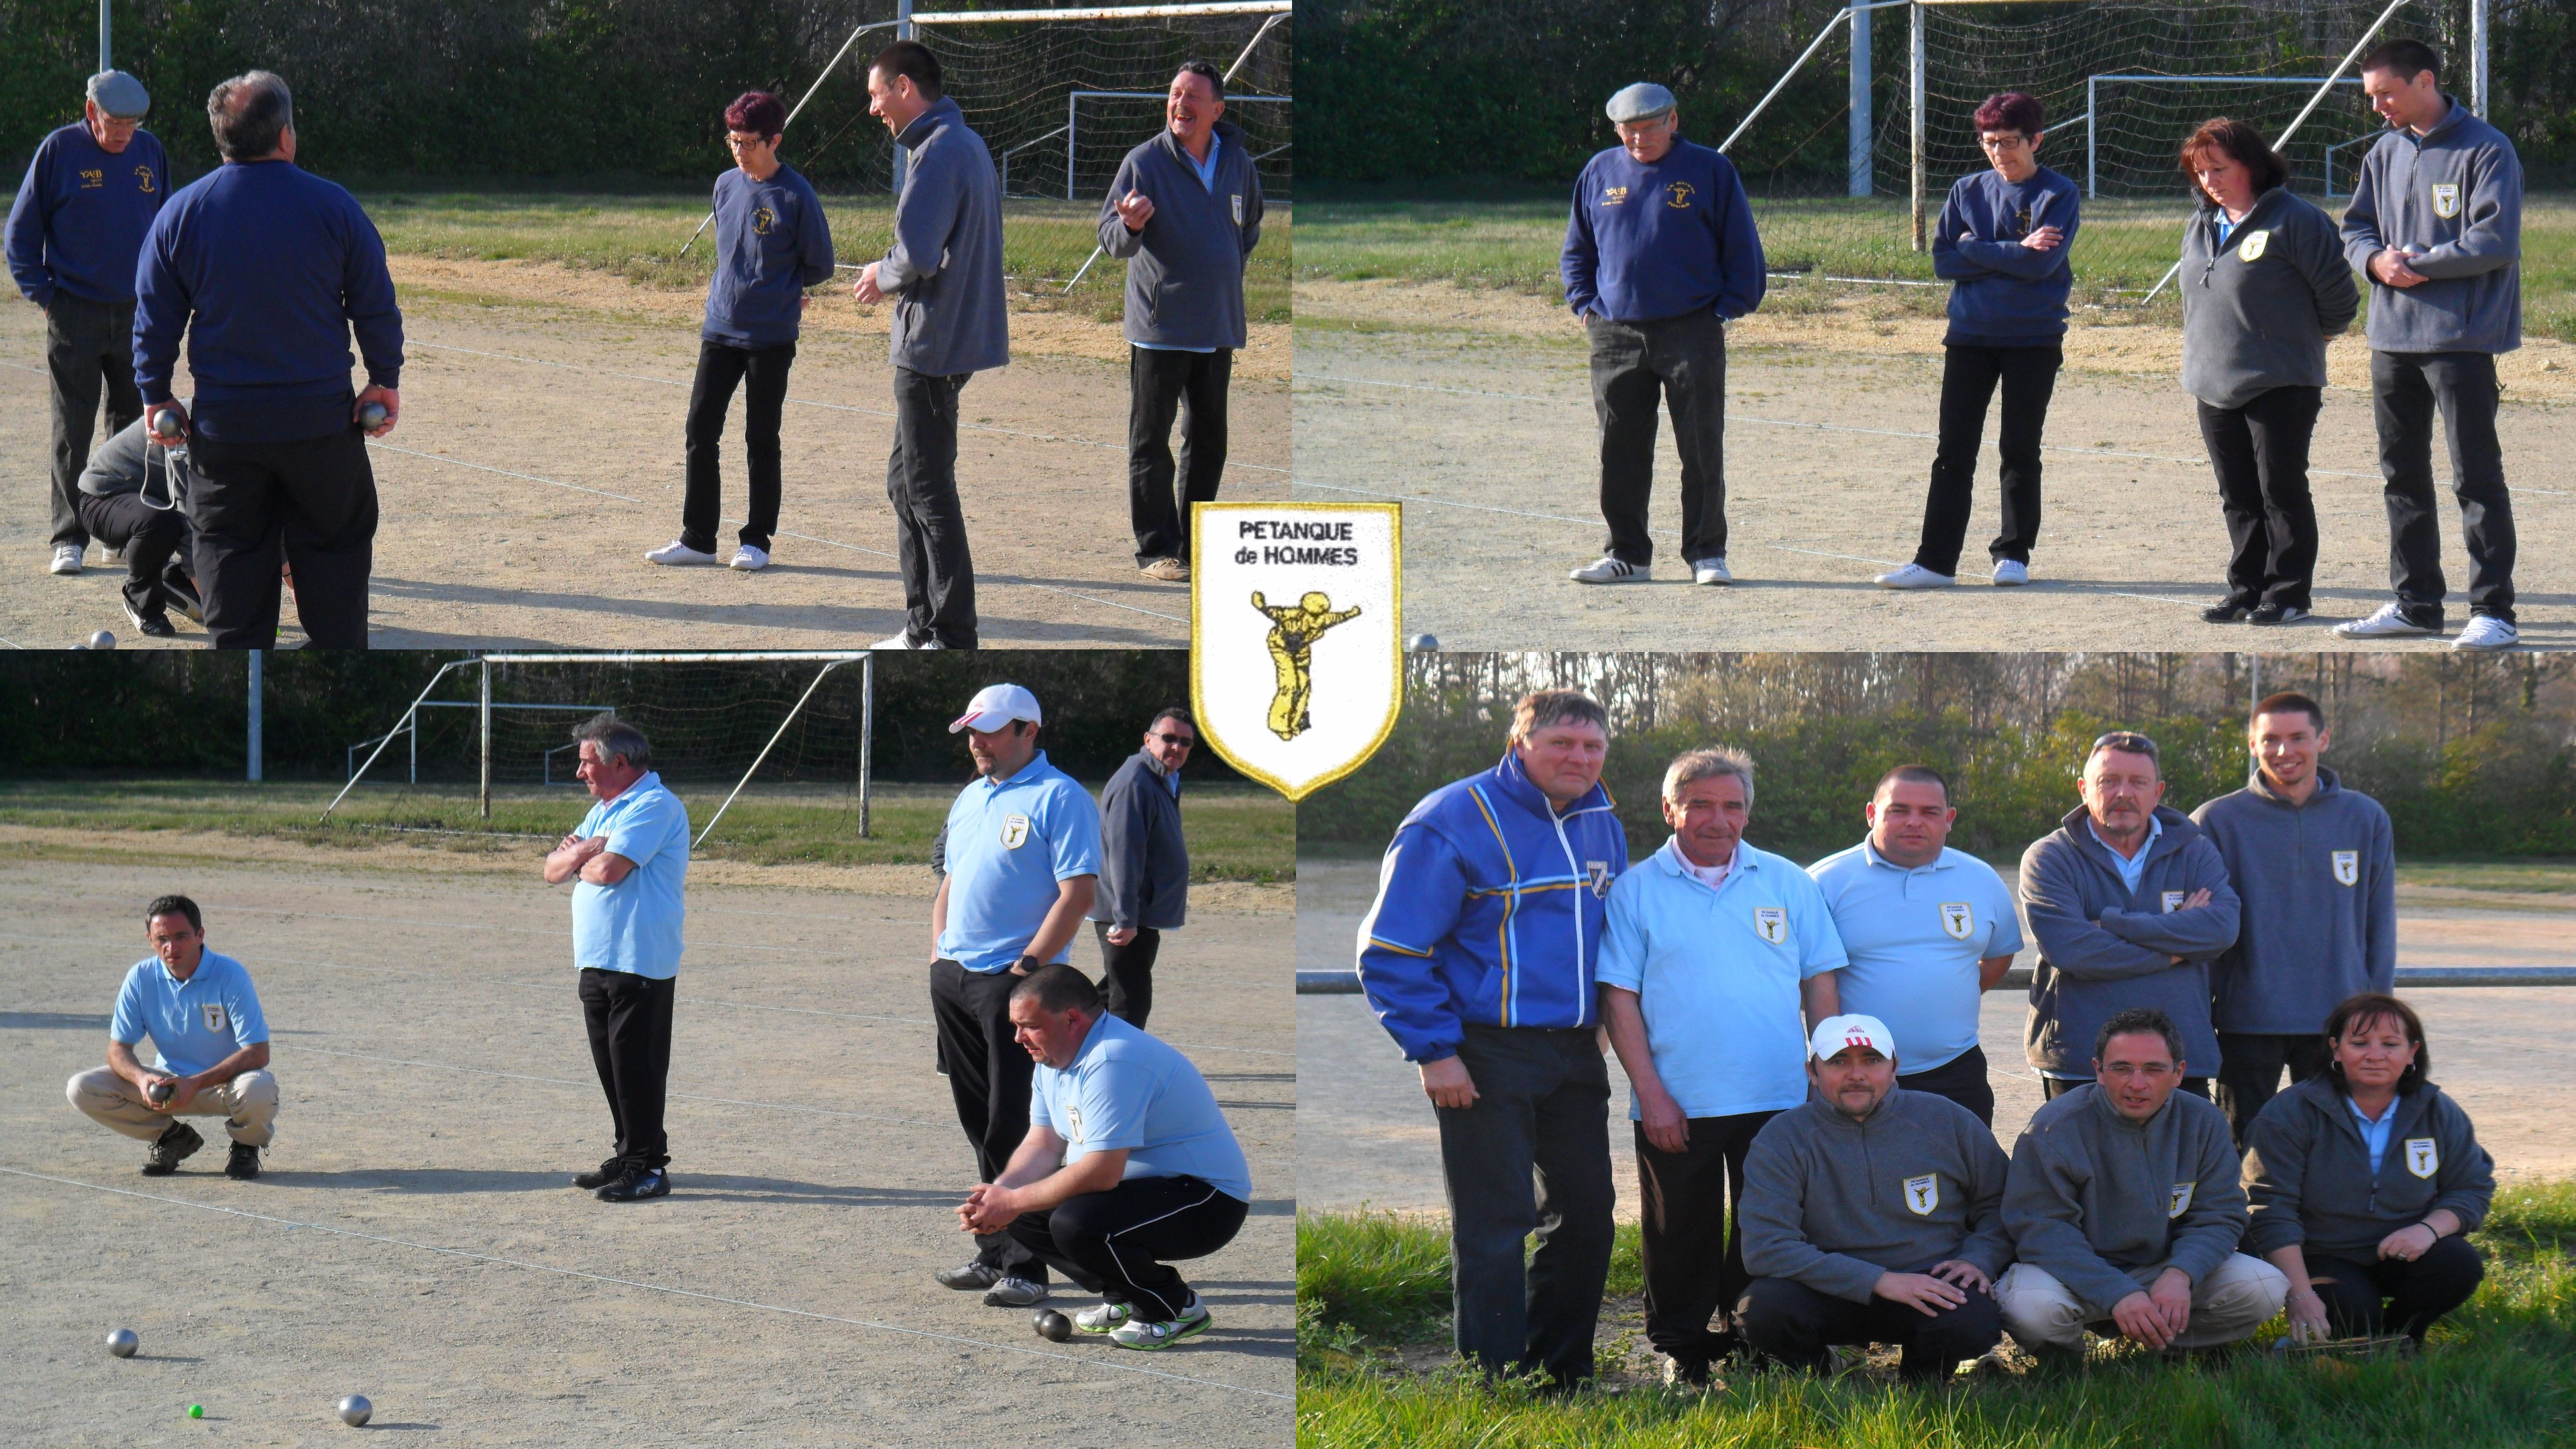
column 1916, row 576
column 1154, row 1337
column 2486, row 631
column 1711, row 571
column 2390, row 622
column 676, row 552
column 749, row 559
column 1608, row 570
column 2011, row 573
column 904, row 641
column 1103, row 1318
column 67, row 558
column 109, row 557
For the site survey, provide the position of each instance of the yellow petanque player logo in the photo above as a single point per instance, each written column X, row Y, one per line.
column 1294, row 628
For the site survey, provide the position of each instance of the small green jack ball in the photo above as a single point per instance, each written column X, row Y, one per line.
column 196, row 1411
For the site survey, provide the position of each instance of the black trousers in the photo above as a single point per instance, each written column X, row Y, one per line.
column 1962, row 1079
column 314, row 502
column 1693, row 1250
column 2260, row 453
column 629, row 1021
column 721, row 367
column 1127, row 973
column 929, row 522
column 2249, row 1070
column 988, row 1077
column 1682, row 362
column 2405, row 389
column 1794, row 1323
column 1160, row 385
column 150, row 537
column 89, row 349
column 1969, row 376
column 1530, row 1155
column 2391, row 1295
column 1120, row 1243
column 2052, row 1088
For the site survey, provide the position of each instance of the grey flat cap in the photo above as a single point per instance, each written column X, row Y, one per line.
column 120, row 95
column 1640, row 102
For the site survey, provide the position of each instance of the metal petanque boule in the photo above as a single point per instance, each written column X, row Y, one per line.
column 166, row 425
column 122, row 1342
column 371, row 416
column 102, row 640
column 1053, row 1326
column 1423, row 644
column 355, row 1410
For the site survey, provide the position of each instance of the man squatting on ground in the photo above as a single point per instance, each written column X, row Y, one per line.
column 2435, row 222
column 2002, row 243
column 951, row 321
column 772, row 243
column 117, row 506
column 1144, row 864
column 267, row 269
column 1660, row 254
column 1710, row 951
column 1022, row 856
column 210, row 1050
column 1149, row 1169
column 1184, row 212
column 629, row 864
column 74, row 231
column 1504, row 1026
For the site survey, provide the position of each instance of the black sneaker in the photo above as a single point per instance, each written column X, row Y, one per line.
column 608, row 1172
column 244, row 1163
column 2276, row 614
column 2227, row 611
column 155, row 625
column 972, row 1277
column 636, row 1184
column 178, row 593
column 171, row 1148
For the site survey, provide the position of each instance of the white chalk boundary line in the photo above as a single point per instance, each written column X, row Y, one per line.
column 522, row 1263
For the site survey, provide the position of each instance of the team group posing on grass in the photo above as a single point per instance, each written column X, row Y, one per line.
column 1661, row 252
column 1101, row 1152
column 1813, row 1119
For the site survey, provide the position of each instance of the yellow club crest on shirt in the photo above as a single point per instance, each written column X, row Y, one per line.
column 214, row 1014
column 2446, row 199
column 2347, row 867
column 2251, row 249
column 1073, row 1124
column 1958, row 918
column 143, row 178
column 1015, row 831
column 1681, row 195
column 2421, row 1157
column 1614, row 196
column 2173, row 902
column 1923, row 1194
column 1771, row 923
column 2180, row 1202
column 762, row 219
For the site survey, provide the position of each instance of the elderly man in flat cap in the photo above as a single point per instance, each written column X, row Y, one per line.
column 73, row 235
column 1659, row 256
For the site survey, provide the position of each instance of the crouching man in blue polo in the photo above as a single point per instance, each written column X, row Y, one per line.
column 210, row 1054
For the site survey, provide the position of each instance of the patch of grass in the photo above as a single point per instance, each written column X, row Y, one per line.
column 2553, row 877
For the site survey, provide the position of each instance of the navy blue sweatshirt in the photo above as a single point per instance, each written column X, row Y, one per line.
column 267, row 268
column 1667, row 240
column 771, row 244
column 81, row 215
column 2003, row 294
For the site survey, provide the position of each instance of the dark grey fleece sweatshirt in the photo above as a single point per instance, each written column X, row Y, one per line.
column 2103, row 949
column 2258, row 308
column 2105, row 1205
column 1185, row 269
column 2307, row 1171
column 2454, row 194
column 2318, row 885
column 1834, row 1203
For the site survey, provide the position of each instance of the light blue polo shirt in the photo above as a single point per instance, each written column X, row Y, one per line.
column 2132, row 868
column 1128, row 1089
column 1915, row 937
column 2374, row 1135
column 1716, row 973
column 193, row 1023
column 634, row 925
column 1009, row 843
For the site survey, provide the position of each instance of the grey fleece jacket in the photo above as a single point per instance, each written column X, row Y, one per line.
column 2103, row 950
column 1834, row 1203
column 2105, row 1205
column 2455, row 195
column 944, row 270
column 2308, row 1173
column 2318, row 886
column 1185, row 269
column 2258, row 308
column 124, row 462
column 1144, row 861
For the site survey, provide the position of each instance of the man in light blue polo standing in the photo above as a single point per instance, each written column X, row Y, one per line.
column 1023, row 860
column 1930, row 931
column 1711, row 951
column 629, row 861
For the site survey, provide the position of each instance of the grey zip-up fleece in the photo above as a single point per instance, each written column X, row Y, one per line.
column 2455, row 193
column 2105, row 1205
column 1144, row 861
column 2103, row 950
column 944, row 270
column 2307, row 1171
column 1185, row 269
column 2258, row 308
column 127, row 461
column 2318, row 888
column 1834, row 1203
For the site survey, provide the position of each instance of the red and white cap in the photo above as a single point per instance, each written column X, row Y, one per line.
column 1835, row 1033
column 996, row 705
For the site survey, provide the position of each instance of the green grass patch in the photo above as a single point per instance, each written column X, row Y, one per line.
column 2544, row 877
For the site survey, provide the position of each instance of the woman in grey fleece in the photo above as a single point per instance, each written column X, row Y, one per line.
column 2264, row 285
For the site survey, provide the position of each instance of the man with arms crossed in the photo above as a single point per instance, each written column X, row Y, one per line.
column 1929, row 931
column 210, row 1050
column 2125, row 1209
column 1863, row 1175
column 2315, row 865
column 1023, row 862
column 1145, row 864
column 1504, row 1027
column 1149, row 1169
column 1711, row 952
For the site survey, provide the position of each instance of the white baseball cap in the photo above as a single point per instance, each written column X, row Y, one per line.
column 1834, row 1033
column 996, row 705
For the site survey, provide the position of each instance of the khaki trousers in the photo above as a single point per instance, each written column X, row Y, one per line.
column 247, row 1103
column 2227, row 1305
